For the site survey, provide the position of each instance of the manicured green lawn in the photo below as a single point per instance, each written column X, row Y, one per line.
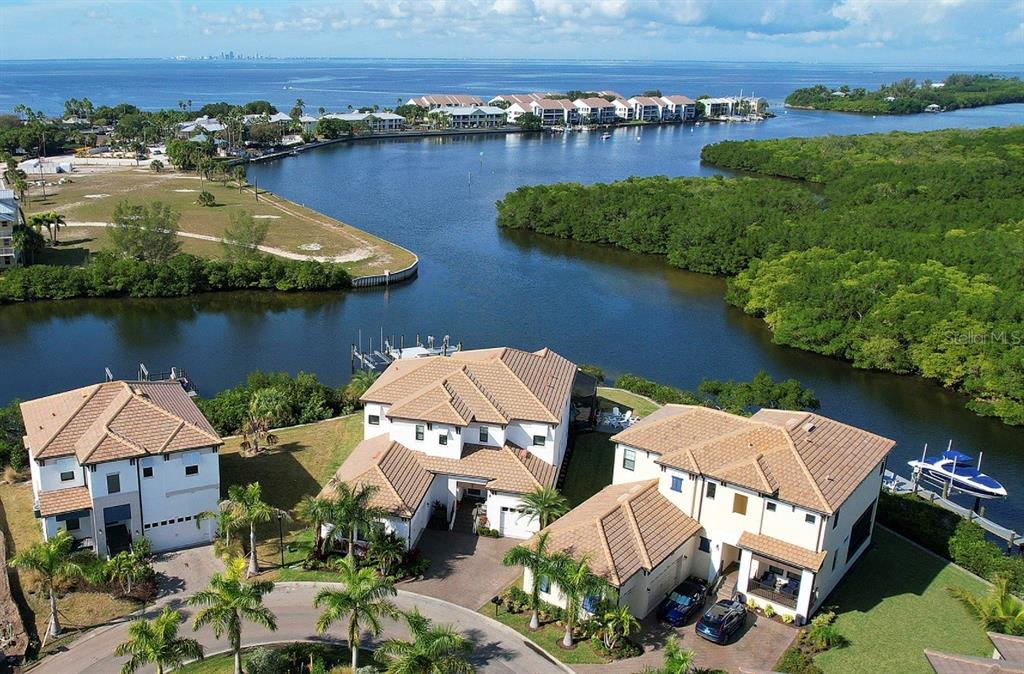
column 224, row 662
column 894, row 604
column 590, row 468
column 548, row 637
column 624, row 399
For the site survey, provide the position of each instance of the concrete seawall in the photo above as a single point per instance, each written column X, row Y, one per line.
column 388, row 277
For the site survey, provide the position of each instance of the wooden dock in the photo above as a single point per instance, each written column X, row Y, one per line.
column 897, row 484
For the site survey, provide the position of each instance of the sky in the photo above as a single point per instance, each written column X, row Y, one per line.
column 918, row 32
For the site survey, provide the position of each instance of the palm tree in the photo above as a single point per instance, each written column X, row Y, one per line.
column 265, row 409
column 433, row 650
column 577, row 583
column 614, row 623
column 246, row 505
column 358, row 384
column 126, row 568
column 316, row 511
column 227, row 601
column 156, row 642
column 363, row 601
column 239, row 175
column 998, row 611
column 53, row 221
column 677, row 659
column 52, row 561
column 20, row 185
column 321, row 111
column 386, row 550
column 544, row 504
column 353, row 510
column 298, row 108
column 538, row 561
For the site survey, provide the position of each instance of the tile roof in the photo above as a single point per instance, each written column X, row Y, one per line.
column 782, row 551
column 798, row 457
column 678, row 100
column 447, row 100
column 622, row 529
column 952, row 663
column 595, row 102
column 115, row 420
column 647, row 100
column 554, row 104
column 59, row 501
column 403, row 476
column 1010, row 647
column 486, row 385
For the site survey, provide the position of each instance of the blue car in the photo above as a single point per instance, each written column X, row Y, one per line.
column 722, row 621
column 687, row 599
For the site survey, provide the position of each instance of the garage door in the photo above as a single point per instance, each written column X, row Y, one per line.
column 181, row 533
column 514, row 524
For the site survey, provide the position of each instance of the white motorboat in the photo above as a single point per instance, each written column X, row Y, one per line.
column 959, row 472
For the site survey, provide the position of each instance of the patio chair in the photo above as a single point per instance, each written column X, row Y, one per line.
column 626, row 418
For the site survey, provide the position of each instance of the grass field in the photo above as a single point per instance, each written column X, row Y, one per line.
column 894, row 604
column 300, row 464
column 625, row 400
column 91, row 197
column 548, row 637
column 590, row 468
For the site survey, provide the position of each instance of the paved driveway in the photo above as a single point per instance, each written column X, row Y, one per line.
column 755, row 648
column 464, row 569
column 185, row 572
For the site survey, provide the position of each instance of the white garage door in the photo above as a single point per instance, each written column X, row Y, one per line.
column 172, row 535
column 514, row 524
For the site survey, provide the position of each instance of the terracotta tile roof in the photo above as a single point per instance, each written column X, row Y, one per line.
column 782, row 551
column 678, row 100
column 61, row 501
column 448, row 100
column 115, row 420
column 952, row 663
column 403, row 476
column 595, row 102
column 1010, row 647
column 647, row 100
column 798, row 457
column 554, row 104
column 486, row 386
column 622, row 529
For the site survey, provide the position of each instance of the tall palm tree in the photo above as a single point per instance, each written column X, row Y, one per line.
column 266, row 408
column 363, row 601
column 53, row 221
column 316, row 511
column 538, row 561
column 156, row 642
column 239, row 175
column 358, row 384
column 227, row 601
column 433, row 650
column 576, row 582
column 52, row 561
column 353, row 511
column 544, row 504
column 246, row 505
column 998, row 611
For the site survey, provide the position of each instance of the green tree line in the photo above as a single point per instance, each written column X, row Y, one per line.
column 899, row 252
column 905, row 97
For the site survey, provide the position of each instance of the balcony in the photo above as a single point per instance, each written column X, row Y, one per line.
column 6, row 251
column 784, row 594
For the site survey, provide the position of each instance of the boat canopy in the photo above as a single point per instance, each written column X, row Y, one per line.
column 974, row 476
column 960, row 458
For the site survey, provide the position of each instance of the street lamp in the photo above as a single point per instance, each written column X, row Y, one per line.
column 280, row 538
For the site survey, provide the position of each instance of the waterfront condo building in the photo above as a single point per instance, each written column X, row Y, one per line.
column 475, row 117
column 595, row 110
column 469, row 432
column 10, row 217
column 678, row 109
column 442, row 101
column 118, row 461
column 647, row 108
column 555, row 111
column 777, row 507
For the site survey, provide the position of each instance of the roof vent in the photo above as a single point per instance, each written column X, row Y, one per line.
column 809, row 426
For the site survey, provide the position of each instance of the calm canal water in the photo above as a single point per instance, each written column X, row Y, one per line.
column 624, row 312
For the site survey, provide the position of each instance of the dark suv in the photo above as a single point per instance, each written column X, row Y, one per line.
column 722, row 621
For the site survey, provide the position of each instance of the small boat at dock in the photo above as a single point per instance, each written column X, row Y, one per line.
column 956, row 471
column 605, row 136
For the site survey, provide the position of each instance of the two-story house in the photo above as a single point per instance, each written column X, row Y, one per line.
column 647, row 108
column 595, row 110
column 121, row 460
column 678, row 109
column 483, row 426
column 783, row 503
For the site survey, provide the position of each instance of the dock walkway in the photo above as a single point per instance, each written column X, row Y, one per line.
column 897, row 484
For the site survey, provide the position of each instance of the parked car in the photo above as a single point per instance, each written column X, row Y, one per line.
column 722, row 621
column 687, row 599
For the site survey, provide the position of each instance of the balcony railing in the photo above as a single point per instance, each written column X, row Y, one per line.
column 769, row 592
column 6, row 251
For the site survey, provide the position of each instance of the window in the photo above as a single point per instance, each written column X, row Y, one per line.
column 711, row 490
column 72, row 524
column 835, row 518
column 705, row 544
column 430, row 426
column 442, row 439
column 374, row 419
column 147, row 471
column 67, row 476
column 191, row 470
column 739, row 504
column 458, row 430
column 113, row 483
column 539, row 440
column 810, row 519
column 167, row 457
column 544, row 584
column 776, row 570
column 770, row 506
column 835, row 556
column 629, row 459
column 677, row 483
column 483, row 434
column 419, row 431
column 860, row 532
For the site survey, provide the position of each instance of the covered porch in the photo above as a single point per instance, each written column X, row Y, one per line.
column 778, row 573
column 68, row 510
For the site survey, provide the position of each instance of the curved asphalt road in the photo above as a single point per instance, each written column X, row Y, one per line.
column 499, row 649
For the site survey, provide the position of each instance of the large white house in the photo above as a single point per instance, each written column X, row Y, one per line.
column 781, row 504
column 118, row 461
column 479, row 427
column 10, row 217
column 595, row 110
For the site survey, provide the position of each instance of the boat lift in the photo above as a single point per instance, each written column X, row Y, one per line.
column 389, row 350
column 174, row 374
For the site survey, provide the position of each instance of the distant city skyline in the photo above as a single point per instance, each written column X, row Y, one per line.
column 911, row 32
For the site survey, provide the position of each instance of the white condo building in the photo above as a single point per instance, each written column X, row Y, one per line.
column 781, row 504
column 117, row 461
column 475, row 429
column 10, row 217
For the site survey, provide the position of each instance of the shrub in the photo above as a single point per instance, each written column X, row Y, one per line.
column 924, row 523
column 263, row 660
column 594, row 371
column 823, row 633
column 796, row 661
column 487, row 532
column 206, row 199
column 787, row 618
column 515, row 599
column 769, row 611
column 156, row 166
column 751, row 604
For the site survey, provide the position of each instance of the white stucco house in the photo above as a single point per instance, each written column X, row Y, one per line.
column 120, row 460
column 480, row 427
column 595, row 110
column 781, row 504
